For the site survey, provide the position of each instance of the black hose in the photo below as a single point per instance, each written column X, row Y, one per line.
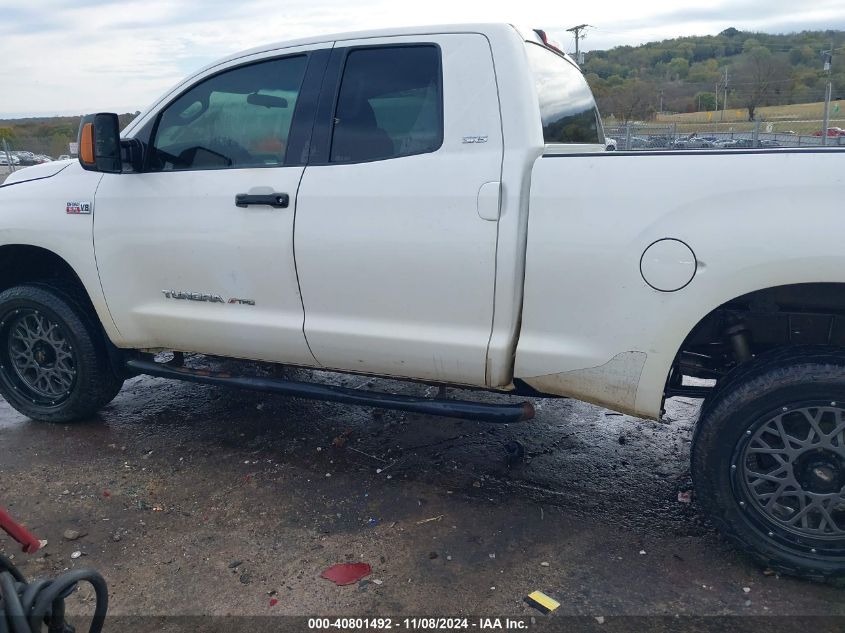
column 26, row 607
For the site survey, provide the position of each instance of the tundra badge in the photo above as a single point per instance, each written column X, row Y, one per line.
column 203, row 296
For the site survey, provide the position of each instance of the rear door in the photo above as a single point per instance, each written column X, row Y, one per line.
column 398, row 208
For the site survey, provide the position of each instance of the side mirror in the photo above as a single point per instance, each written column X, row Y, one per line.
column 99, row 143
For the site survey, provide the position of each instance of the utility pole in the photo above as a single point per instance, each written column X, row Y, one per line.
column 725, row 101
column 828, row 62
column 661, row 103
column 577, row 32
column 8, row 156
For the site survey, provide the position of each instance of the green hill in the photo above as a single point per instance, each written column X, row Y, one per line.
column 45, row 135
column 682, row 74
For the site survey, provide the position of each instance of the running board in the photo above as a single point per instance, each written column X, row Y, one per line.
column 497, row 413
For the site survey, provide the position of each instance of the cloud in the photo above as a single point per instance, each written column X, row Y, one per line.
column 74, row 56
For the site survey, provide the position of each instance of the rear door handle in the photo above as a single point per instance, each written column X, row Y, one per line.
column 275, row 200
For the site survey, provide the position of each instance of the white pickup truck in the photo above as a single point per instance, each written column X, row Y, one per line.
column 437, row 204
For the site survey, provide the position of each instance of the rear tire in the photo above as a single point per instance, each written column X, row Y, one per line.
column 768, row 461
column 54, row 364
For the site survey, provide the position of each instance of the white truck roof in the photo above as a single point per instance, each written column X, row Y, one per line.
column 479, row 27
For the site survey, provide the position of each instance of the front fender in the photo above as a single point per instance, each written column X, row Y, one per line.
column 35, row 211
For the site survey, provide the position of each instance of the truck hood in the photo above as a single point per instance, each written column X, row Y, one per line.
column 37, row 172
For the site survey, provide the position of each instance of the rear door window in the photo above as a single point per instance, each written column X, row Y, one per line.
column 389, row 105
column 567, row 108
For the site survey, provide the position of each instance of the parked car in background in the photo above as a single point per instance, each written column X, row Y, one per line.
column 4, row 159
column 695, row 142
column 26, row 158
column 832, row 131
column 610, row 144
column 737, row 143
column 65, row 157
column 660, row 142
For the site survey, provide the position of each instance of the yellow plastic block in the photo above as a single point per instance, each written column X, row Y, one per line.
column 542, row 602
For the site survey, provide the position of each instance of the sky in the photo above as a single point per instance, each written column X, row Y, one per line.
column 78, row 56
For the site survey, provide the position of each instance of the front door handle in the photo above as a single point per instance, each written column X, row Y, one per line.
column 275, row 200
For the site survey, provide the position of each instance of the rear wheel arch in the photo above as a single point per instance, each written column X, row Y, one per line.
column 756, row 323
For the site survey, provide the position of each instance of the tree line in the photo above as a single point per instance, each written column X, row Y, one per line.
column 46, row 135
column 687, row 74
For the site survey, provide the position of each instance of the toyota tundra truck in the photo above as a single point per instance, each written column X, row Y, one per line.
column 436, row 204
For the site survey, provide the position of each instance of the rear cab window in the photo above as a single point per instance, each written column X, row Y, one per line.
column 568, row 111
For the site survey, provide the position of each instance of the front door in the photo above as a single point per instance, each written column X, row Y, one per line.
column 184, row 263
column 397, row 217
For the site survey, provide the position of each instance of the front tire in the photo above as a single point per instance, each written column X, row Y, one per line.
column 54, row 365
column 768, row 461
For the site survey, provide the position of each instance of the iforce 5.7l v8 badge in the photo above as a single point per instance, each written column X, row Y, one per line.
column 78, row 208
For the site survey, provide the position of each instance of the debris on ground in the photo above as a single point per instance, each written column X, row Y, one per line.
column 542, row 602
column 235, row 564
column 685, row 496
column 76, row 554
column 437, row 518
column 346, row 573
column 72, row 535
column 341, row 440
column 545, row 564
column 642, row 552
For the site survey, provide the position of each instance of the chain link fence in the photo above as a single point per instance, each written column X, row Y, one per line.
column 8, row 161
column 644, row 136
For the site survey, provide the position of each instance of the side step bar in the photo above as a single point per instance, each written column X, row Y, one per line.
column 497, row 413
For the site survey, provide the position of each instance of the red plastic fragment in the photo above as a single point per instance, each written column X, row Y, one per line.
column 18, row 532
column 347, row 573
column 273, row 602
